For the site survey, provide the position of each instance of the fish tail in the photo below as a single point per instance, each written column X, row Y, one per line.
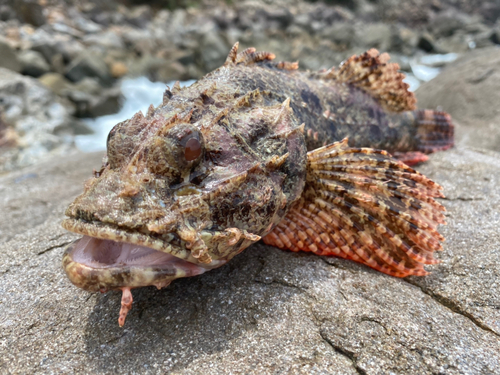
column 434, row 130
column 362, row 204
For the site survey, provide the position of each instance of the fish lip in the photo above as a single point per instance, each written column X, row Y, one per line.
column 106, row 231
column 111, row 278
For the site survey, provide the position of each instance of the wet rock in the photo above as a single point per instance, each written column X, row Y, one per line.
column 33, row 63
column 8, row 57
column 495, row 35
column 89, row 65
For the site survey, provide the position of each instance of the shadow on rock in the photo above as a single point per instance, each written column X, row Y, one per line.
column 195, row 316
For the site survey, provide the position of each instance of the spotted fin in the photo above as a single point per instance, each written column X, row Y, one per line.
column 372, row 73
column 435, row 130
column 364, row 205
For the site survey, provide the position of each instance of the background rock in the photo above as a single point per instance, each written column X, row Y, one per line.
column 38, row 116
column 267, row 311
column 33, row 63
column 8, row 57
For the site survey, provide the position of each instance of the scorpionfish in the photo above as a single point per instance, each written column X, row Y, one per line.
column 260, row 150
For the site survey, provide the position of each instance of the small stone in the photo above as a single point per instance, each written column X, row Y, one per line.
column 8, row 57
column 118, row 69
column 55, row 82
column 426, row 42
column 89, row 65
column 33, row 63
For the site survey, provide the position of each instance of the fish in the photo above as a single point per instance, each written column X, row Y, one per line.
column 258, row 149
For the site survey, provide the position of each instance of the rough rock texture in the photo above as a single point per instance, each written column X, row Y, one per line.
column 267, row 311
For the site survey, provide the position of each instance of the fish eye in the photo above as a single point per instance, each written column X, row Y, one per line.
column 192, row 150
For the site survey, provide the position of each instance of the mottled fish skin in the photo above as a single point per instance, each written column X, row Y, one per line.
column 249, row 175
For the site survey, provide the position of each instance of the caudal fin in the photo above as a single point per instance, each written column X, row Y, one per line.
column 435, row 131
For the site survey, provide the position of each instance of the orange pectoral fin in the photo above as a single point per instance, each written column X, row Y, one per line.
column 362, row 204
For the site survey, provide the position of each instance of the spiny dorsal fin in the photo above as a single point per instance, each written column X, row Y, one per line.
column 250, row 56
column 364, row 205
column 233, row 53
column 286, row 65
column 371, row 73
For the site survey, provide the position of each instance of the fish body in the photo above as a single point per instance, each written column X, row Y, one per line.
column 258, row 149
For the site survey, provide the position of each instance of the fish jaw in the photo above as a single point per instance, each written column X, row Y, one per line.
column 123, row 265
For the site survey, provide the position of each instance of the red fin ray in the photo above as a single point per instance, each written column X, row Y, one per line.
column 362, row 204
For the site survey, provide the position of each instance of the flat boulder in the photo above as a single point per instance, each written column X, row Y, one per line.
column 267, row 311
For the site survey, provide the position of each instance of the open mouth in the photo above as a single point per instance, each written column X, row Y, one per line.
column 107, row 258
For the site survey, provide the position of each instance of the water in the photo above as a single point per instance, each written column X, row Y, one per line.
column 138, row 94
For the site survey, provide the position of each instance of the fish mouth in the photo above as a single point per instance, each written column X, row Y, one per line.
column 108, row 257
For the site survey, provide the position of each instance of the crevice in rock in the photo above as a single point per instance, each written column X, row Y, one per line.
column 343, row 352
column 334, row 265
column 453, row 306
column 280, row 282
column 464, row 199
column 53, row 247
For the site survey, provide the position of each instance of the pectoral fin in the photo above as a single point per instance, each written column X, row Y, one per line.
column 364, row 205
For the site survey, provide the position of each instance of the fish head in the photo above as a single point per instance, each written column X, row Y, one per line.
column 176, row 197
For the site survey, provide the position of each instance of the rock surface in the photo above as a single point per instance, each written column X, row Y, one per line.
column 265, row 312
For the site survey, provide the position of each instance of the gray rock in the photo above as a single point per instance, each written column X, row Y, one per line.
column 106, row 40
column 89, row 65
column 160, row 69
column 33, row 63
column 6, row 12
column 213, row 50
column 376, row 35
column 35, row 113
column 46, row 46
column 30, row 11
column 56, row 82
column 474, row 80
column 267, row 311
column 8, row 57
column 139, row 16
column 88, row 105
column 427, row 43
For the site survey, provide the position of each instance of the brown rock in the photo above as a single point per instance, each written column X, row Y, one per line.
column 118, row 69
